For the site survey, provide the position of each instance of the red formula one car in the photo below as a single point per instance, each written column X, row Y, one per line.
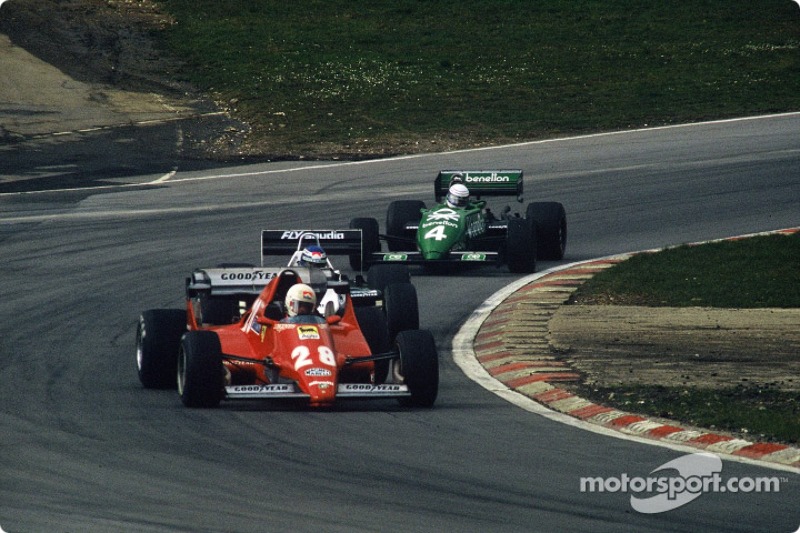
column 233, row 341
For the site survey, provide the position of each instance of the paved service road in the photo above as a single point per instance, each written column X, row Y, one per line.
column 85, row 448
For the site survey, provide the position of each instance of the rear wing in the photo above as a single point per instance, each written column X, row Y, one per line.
column 481, row 182
column 287, row 242
column 229, row 280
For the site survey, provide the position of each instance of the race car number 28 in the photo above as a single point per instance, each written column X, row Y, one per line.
column 301, row 356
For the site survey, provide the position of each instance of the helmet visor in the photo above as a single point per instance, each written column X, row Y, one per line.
column 304, row 308
column 457, row 201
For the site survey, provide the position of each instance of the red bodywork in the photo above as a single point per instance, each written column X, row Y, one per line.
column 259, row 350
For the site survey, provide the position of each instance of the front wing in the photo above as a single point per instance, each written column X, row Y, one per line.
column 290, row 390
column 495, row 235
column 416, row 258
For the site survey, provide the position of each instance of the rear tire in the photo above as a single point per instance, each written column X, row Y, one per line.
column 521, row 246
column 370, row 239
column 158, row 339
column 400, row 213
column 551, row 229
column 200, row 372
column 419, row 366
column 219, row 310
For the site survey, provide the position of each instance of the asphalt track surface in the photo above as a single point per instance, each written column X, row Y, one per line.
column 85, row 448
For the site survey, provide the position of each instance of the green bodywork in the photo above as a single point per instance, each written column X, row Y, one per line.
column 442, row 234
column 443, row 229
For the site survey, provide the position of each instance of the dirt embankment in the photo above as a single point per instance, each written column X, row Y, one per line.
column 682, row 347
column 99, row 42
column 73, row 65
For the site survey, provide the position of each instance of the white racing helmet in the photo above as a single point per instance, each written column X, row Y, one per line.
column 300, row 297
column 457, row 196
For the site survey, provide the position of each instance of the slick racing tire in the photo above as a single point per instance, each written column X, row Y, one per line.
column 370, row 239
column 551, row 229
column 373, row 327
column 200, row 373
column 379, row 276
column 419, row 367
column 521, row 246
column 219, row 310
column 158, row 339
column 401, row 308
column 400, row 213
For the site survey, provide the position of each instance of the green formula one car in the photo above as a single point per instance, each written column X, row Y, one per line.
column 461, row 229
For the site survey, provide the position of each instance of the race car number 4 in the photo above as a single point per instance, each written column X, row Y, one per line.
column 436, row 233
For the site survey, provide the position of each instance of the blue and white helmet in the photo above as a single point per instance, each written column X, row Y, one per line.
column 314, row 256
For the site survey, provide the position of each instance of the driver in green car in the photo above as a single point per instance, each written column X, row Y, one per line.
column 458, row 194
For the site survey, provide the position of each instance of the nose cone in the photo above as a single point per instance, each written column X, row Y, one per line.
column 433, row 248
column 322, row 393
column 432, row 255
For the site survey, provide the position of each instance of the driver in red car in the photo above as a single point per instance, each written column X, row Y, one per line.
column 301, row 305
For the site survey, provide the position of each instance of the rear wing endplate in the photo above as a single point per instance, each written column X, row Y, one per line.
column 482, row 182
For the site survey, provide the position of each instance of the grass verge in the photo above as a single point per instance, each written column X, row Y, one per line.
column 756, row 272
column 384, row 77
column 755, row 412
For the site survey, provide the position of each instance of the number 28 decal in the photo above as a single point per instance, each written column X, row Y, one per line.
column 302, row 356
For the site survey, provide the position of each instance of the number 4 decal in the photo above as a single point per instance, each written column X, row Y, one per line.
column 436, row 233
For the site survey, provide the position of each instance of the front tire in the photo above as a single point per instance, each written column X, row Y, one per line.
column 419, row 367
column 521, row 246
column 370, row 242
column 400, row 213
column 551, row 229
column 401, row 307
column 373, row 326
column 200, row 372
column 383, row 275
column 158, row 338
